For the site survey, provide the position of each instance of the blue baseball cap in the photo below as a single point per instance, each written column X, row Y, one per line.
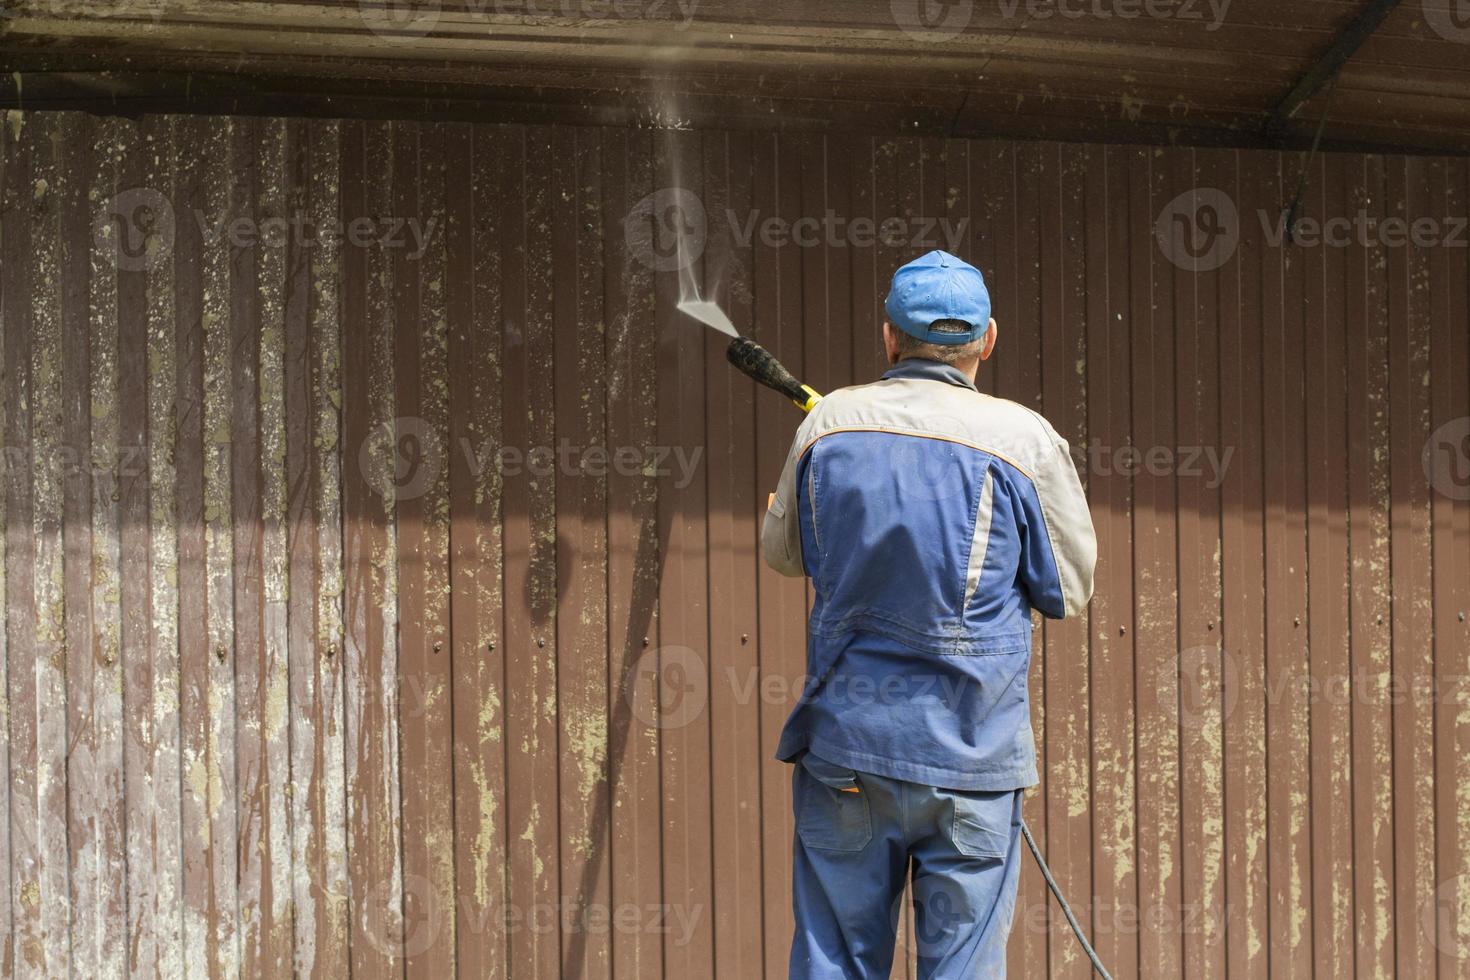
column 938, row 286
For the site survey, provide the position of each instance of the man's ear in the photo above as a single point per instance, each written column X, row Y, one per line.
column 991, row 333
column 890, row 343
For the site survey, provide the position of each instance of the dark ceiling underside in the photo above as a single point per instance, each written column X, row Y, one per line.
column 1374, row 74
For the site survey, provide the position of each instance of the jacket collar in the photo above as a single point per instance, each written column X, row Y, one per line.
column 926, row 370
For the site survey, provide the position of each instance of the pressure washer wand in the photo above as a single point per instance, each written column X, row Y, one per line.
column 753, row 359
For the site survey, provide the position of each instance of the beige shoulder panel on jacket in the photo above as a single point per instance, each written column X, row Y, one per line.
column 1004, row 429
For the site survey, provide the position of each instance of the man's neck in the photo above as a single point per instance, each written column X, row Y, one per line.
column 969, row 367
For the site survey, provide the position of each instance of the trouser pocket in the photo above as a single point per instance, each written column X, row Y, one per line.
column 831, row 807
column 981, row 824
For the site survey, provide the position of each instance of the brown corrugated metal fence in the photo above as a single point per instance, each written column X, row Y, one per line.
column 380, row 569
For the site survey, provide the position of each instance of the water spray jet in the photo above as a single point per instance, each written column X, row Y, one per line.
column 751, row 358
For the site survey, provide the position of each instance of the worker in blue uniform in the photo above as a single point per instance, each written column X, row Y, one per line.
column 932, row 519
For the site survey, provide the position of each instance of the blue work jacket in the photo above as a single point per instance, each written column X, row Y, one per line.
column 932, row 519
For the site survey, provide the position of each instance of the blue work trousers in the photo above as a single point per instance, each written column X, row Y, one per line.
column 860, row 837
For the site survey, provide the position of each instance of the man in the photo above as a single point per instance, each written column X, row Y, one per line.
column 931, row 519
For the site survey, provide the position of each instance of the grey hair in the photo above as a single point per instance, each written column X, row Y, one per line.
column 911, row 346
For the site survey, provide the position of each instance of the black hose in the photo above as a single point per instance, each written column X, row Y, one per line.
column 1066, row 909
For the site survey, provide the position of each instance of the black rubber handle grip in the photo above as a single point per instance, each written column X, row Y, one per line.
column 760, row 364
